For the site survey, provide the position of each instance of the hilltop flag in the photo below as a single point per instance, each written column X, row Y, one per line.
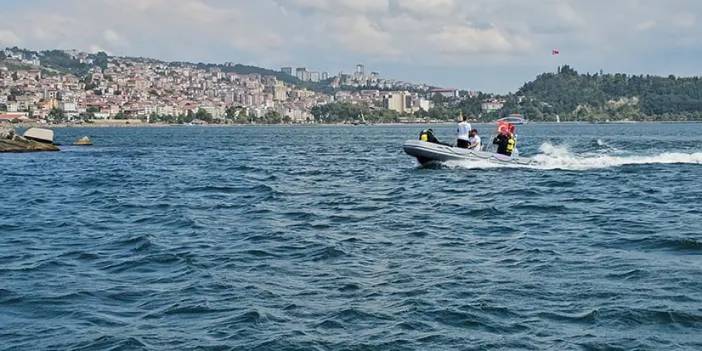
column 555, row 52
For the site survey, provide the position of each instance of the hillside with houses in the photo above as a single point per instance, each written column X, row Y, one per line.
column 68, row 86
column 58, row 86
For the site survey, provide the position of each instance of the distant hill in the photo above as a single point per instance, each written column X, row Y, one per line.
column 570, row 95
column 66, row 62
column 247, row 69
column 53, row 61
column 597, row 97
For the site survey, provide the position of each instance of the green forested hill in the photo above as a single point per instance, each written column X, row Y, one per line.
column 593, row 97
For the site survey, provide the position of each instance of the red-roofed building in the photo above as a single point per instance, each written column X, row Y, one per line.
column 12, row 116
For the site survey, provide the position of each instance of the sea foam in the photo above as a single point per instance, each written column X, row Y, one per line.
column 560, row 157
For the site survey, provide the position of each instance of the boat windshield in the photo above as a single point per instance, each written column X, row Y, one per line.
column 513, row 119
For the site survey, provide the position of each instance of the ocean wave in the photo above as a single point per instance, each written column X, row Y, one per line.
column 559, row 157
column 326, row 254
column 349, row 248
column 107, row 342
column 680, row 244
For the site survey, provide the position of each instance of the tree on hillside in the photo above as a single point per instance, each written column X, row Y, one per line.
column 89, row 113
column 101, row 60
column 595, row 97
column 56, row 115
column 59, row 60
column 88, row 81
column 438, row 99
column 339, row 112
column 154, row 118
column 235, row 114
column 203, row 115
column 272, row 117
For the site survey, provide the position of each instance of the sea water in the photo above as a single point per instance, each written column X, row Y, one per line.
column 331, row 238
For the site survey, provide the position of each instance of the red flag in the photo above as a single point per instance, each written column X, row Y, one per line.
column 555, row 52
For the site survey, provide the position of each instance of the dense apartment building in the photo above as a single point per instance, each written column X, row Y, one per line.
column 138, row 89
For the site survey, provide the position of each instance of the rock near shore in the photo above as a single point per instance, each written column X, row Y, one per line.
column 11, row 142
column 84, row 141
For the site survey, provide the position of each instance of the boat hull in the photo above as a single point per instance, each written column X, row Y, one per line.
column 427, row 153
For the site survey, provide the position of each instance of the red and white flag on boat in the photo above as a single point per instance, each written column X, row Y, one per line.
column 555, row 52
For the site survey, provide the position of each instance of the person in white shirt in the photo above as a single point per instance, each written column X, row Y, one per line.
column 474, row 140
column 462, row 133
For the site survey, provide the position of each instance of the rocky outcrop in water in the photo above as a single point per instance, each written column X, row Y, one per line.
column 84, row 141
column 12, row 142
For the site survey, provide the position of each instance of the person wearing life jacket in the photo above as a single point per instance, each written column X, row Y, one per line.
column 505, row 140
column 428, row 136
column 474, row 140
column 462, row 132
column 513, row 133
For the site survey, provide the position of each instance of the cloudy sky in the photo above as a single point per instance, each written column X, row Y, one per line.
column 489, row 45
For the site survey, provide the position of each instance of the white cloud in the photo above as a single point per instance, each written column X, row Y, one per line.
column 199, row 11
column 359, row 34
column 8, row 38
column 312, row 5
column 51, row 27
column 141, row 5
column 424, row 8
column 469, row 40
column 685, row 20
column 363, row 5
column 184, row 29
column 348, row 7
column 113, row 38
column 646, row 25
column 443, row 34
column 95, row 48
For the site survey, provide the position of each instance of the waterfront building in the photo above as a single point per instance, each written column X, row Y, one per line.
column 137, row 89
column 400, row 101
column 280, row 92
column 314, row 76
column 447, row 93
column 360, row 70
column 300, row 73
column 425, row 104
column 68, row 106
column 492, row 105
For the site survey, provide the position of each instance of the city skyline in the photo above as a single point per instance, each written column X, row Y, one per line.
column 491, row 46
column 69, row 85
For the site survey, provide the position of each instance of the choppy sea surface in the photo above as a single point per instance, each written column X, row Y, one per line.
column 331, row 238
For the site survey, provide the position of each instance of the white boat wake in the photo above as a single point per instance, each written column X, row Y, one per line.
column 559, row 157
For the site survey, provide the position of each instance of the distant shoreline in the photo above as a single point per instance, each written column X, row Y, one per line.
column 391, row 124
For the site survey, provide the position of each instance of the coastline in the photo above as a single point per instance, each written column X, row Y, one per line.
column 384, row 124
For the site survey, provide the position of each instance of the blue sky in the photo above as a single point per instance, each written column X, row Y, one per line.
column 489, row 45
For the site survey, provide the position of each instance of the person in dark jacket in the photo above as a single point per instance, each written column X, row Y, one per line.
column 428, row 136
column 501, row 141
column 505, row 140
